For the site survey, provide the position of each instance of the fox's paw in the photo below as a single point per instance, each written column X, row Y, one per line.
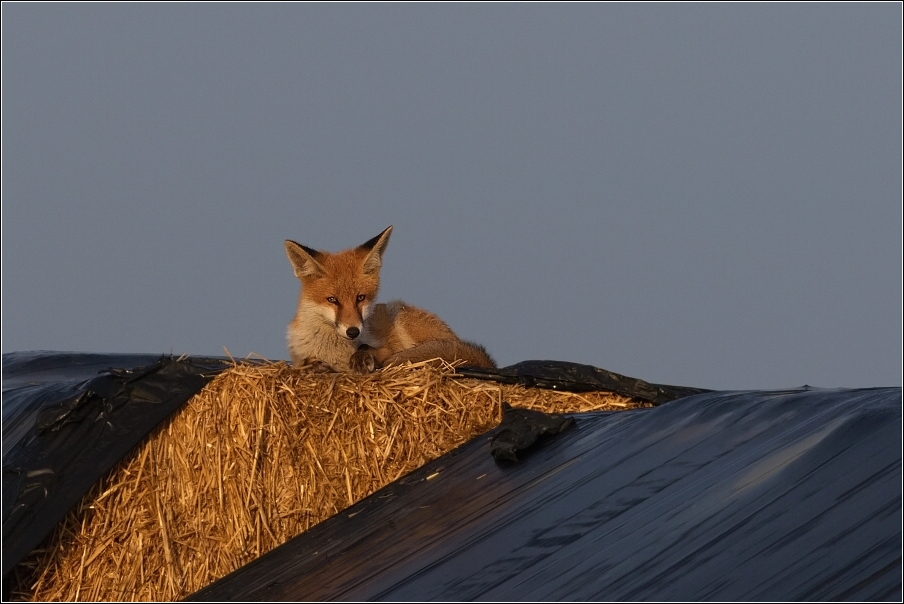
column 362, row 361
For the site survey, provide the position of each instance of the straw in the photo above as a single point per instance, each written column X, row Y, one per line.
column 263, row 453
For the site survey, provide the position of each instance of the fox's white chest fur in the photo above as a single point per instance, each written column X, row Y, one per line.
column 319, row 342
column 313, row 335
column 309, row 340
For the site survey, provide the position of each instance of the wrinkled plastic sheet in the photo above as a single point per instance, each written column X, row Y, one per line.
column 521, row 431
column 574, row 377
column 757, row 496
column 68, row 419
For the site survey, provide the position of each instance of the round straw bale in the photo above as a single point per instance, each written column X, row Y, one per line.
column 263, row 453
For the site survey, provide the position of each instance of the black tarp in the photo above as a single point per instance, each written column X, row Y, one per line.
column 64, row 425
column 770, row 496
column 67, row 419
column 749, row 495
column 574, row 377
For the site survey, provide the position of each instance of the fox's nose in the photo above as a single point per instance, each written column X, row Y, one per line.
column 352, row 332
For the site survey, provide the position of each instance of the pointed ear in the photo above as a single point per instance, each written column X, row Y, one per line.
column 304, row 260
column 375, row 248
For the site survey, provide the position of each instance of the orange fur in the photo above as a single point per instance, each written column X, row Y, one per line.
column 339, row 324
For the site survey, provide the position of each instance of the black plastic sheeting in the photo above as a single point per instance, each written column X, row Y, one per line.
column 65, row 426
column 738, row 496
column 523, row 430
column 770, row 496
column 574, row 377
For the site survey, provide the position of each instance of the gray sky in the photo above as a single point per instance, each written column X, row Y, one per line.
column 699, row 195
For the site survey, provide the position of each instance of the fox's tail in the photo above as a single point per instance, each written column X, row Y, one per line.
column 473, row 355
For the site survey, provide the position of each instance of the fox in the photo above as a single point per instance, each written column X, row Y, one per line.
column 339, row 326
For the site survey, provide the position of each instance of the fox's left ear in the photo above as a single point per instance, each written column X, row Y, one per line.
column 375, row 248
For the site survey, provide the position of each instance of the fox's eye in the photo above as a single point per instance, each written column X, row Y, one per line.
column 332, row 300
column 361, row 297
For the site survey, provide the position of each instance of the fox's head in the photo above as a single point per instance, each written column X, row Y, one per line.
column 339, row 289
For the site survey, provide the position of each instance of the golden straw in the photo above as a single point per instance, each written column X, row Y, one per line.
column 261, row 454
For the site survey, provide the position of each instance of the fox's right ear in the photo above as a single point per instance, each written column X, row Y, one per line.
column 303, row 260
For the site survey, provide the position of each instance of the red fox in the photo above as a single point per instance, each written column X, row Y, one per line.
column 339, row 324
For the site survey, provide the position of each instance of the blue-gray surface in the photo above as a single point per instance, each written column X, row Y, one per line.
column 792, row 495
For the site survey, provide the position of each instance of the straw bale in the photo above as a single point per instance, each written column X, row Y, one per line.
column 263, row 453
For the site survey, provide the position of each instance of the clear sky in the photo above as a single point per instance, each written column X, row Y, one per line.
column 691, row 194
